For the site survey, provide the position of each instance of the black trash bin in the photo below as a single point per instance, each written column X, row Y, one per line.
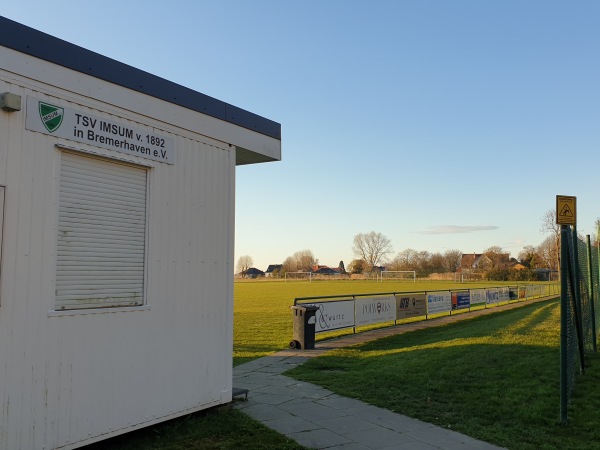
column 304, row 326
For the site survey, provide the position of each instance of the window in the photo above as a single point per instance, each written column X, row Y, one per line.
column 101, row 233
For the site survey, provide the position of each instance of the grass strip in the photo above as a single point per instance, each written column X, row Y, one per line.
column 495, row 378
column 219, row 429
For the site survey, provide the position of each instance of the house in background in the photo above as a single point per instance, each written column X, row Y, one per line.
column 273, row 270
column 253, row 272
column 326, row 270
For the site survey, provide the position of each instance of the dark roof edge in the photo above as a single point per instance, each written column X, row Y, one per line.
column 52, row 49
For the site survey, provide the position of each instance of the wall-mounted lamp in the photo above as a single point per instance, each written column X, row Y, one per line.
column 10, row 102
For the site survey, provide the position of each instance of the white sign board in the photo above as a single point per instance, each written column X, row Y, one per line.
column 334, row 315
column 53, row 119
column 375, row 310
column 503, row 294
column 439, row 302
column 477, row 296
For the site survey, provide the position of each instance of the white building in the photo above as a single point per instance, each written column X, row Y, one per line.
column 116, row 294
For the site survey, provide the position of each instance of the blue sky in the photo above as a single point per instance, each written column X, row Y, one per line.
column 443, row 125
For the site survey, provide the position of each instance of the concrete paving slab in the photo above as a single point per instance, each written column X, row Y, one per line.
column 320, row 438
column 378, row 438
column 411, row 446
column 346, row 424
column 288, row 424
column 314, row 412
column 351, row 446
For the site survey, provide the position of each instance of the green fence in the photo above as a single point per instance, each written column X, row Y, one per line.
column 580, row 309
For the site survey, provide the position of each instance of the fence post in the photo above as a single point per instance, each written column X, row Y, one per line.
column 564, row 308
column 575, row 300
column 591, row 289
column 354, row 327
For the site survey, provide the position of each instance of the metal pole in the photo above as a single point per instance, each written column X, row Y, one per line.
column 591, row 288
column 574, row 281
column 564, row 305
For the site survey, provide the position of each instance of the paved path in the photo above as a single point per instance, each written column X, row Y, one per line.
column 317, row 418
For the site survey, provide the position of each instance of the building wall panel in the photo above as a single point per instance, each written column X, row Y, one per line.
column 81, row 376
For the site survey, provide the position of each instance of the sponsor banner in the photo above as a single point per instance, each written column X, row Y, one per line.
column 52, row 118
column 439, row 302
column 491, row 296
column 477, row 296
column 375, row 310
column 461, row 300
column 410, row 305
column 503, row 294
column 334, row 315
column 522, row 292
column 531, row 291
column 514, row 293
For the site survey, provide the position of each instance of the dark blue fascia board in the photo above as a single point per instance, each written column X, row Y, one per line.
column 32, row 42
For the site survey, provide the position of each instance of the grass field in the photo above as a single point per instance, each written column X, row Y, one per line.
column 495, row 378
column 263, row 319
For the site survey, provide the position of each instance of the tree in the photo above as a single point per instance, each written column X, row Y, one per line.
column 549, row 225
column 452, row 260
column 549, row 254
column 243, row 264
column 372, row 248
column 529, row 257
column 301, row 261
column 405, row 260
column 356, row 266
column 496, row 256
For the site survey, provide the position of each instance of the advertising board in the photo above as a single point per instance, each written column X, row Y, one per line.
column 439, row 302
column 461, row 300
column 492, row 296
column 477, row 296
column 410, row 305
column 375, row 309
column 503, row 294
column 334, row 315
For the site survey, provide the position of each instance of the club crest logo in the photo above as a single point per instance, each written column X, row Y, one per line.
column 51, row 116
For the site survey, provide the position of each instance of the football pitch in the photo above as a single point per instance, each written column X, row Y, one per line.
column 263, row 319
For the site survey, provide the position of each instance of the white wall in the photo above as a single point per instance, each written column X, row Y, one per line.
column 69, row 378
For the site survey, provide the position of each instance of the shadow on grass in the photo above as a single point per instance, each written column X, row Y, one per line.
column 495, row 378
column 215, row 429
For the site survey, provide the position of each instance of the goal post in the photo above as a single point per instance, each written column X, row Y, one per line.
column 398, row 275
column 298, row 276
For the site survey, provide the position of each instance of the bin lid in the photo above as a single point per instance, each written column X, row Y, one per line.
column 306, row 307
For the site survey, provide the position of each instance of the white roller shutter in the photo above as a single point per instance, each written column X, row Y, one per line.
column 101, row 233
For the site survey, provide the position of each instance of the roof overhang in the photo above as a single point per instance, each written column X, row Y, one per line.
column 256, row 138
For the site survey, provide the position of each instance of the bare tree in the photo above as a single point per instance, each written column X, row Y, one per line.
column 452, row 260
column 529, row 257
column 372, row 248
column 405, row 260
column 549, row 225
column 437, row 263
column 496, row 256
column 303, row 261
column 548, row 253
column 243, row 264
